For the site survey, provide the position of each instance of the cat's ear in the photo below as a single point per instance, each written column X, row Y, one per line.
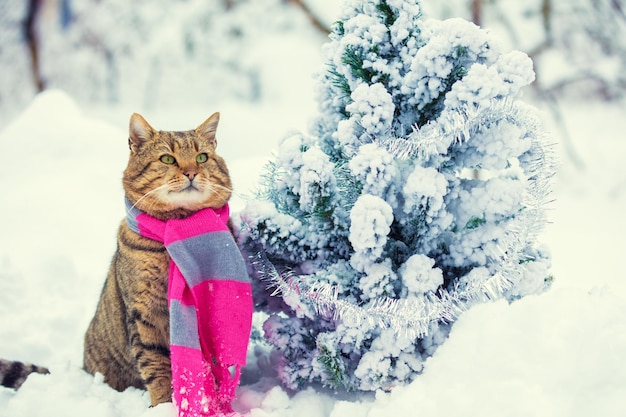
column 139, row 132
column 208, row 128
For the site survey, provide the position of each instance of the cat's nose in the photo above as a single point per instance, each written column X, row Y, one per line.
column 191, row 175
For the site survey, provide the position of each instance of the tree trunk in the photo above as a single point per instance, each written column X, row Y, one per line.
column 30, row 33
column 477, row 11
column 546, row 13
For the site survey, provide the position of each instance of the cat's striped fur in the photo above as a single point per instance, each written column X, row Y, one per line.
column 169, row 175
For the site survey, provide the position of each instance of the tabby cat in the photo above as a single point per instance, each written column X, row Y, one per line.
column 169, row 175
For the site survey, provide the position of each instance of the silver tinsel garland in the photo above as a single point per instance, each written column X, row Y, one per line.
column 414, row 317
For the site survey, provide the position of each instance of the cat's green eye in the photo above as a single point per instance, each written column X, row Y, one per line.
column 168, row 159
column 202, row 158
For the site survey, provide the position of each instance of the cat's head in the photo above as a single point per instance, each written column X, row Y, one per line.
column 173, row 174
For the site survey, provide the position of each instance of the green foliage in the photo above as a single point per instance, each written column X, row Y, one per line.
column 348, row 187
column 475, row 222
column 323, row 209
column 284, row 200
column 334, row 368
column 340, row 83
column 387, row 13
column 459, row 70
column 338, row 28
column 354, row 59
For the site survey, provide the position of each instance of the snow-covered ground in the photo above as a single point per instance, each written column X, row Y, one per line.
column 557, row 354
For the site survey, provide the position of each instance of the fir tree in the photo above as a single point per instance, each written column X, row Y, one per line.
column 419, row 192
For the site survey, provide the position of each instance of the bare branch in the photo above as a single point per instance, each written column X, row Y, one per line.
column 315, row 21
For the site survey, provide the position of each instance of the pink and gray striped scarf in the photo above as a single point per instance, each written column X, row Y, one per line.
column 210, row 304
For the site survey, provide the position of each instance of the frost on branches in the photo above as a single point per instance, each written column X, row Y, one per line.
column 420, row 192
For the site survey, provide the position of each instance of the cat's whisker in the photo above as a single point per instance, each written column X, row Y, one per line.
column 243, row 196
column 216, row 187
column 166, row 185
column 212, row 186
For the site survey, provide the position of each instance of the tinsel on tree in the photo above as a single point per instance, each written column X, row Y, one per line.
column 419, row 192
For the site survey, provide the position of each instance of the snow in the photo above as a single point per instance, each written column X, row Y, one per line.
column 417, row 282
column 556, row 354
column 371, row 219
column 372, row 167
column 374, row 105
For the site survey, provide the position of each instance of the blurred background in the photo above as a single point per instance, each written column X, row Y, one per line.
column 173, row 53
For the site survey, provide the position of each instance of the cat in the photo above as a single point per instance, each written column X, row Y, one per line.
column 170, row 174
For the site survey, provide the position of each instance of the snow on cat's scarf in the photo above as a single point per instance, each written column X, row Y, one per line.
column 210, row 303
